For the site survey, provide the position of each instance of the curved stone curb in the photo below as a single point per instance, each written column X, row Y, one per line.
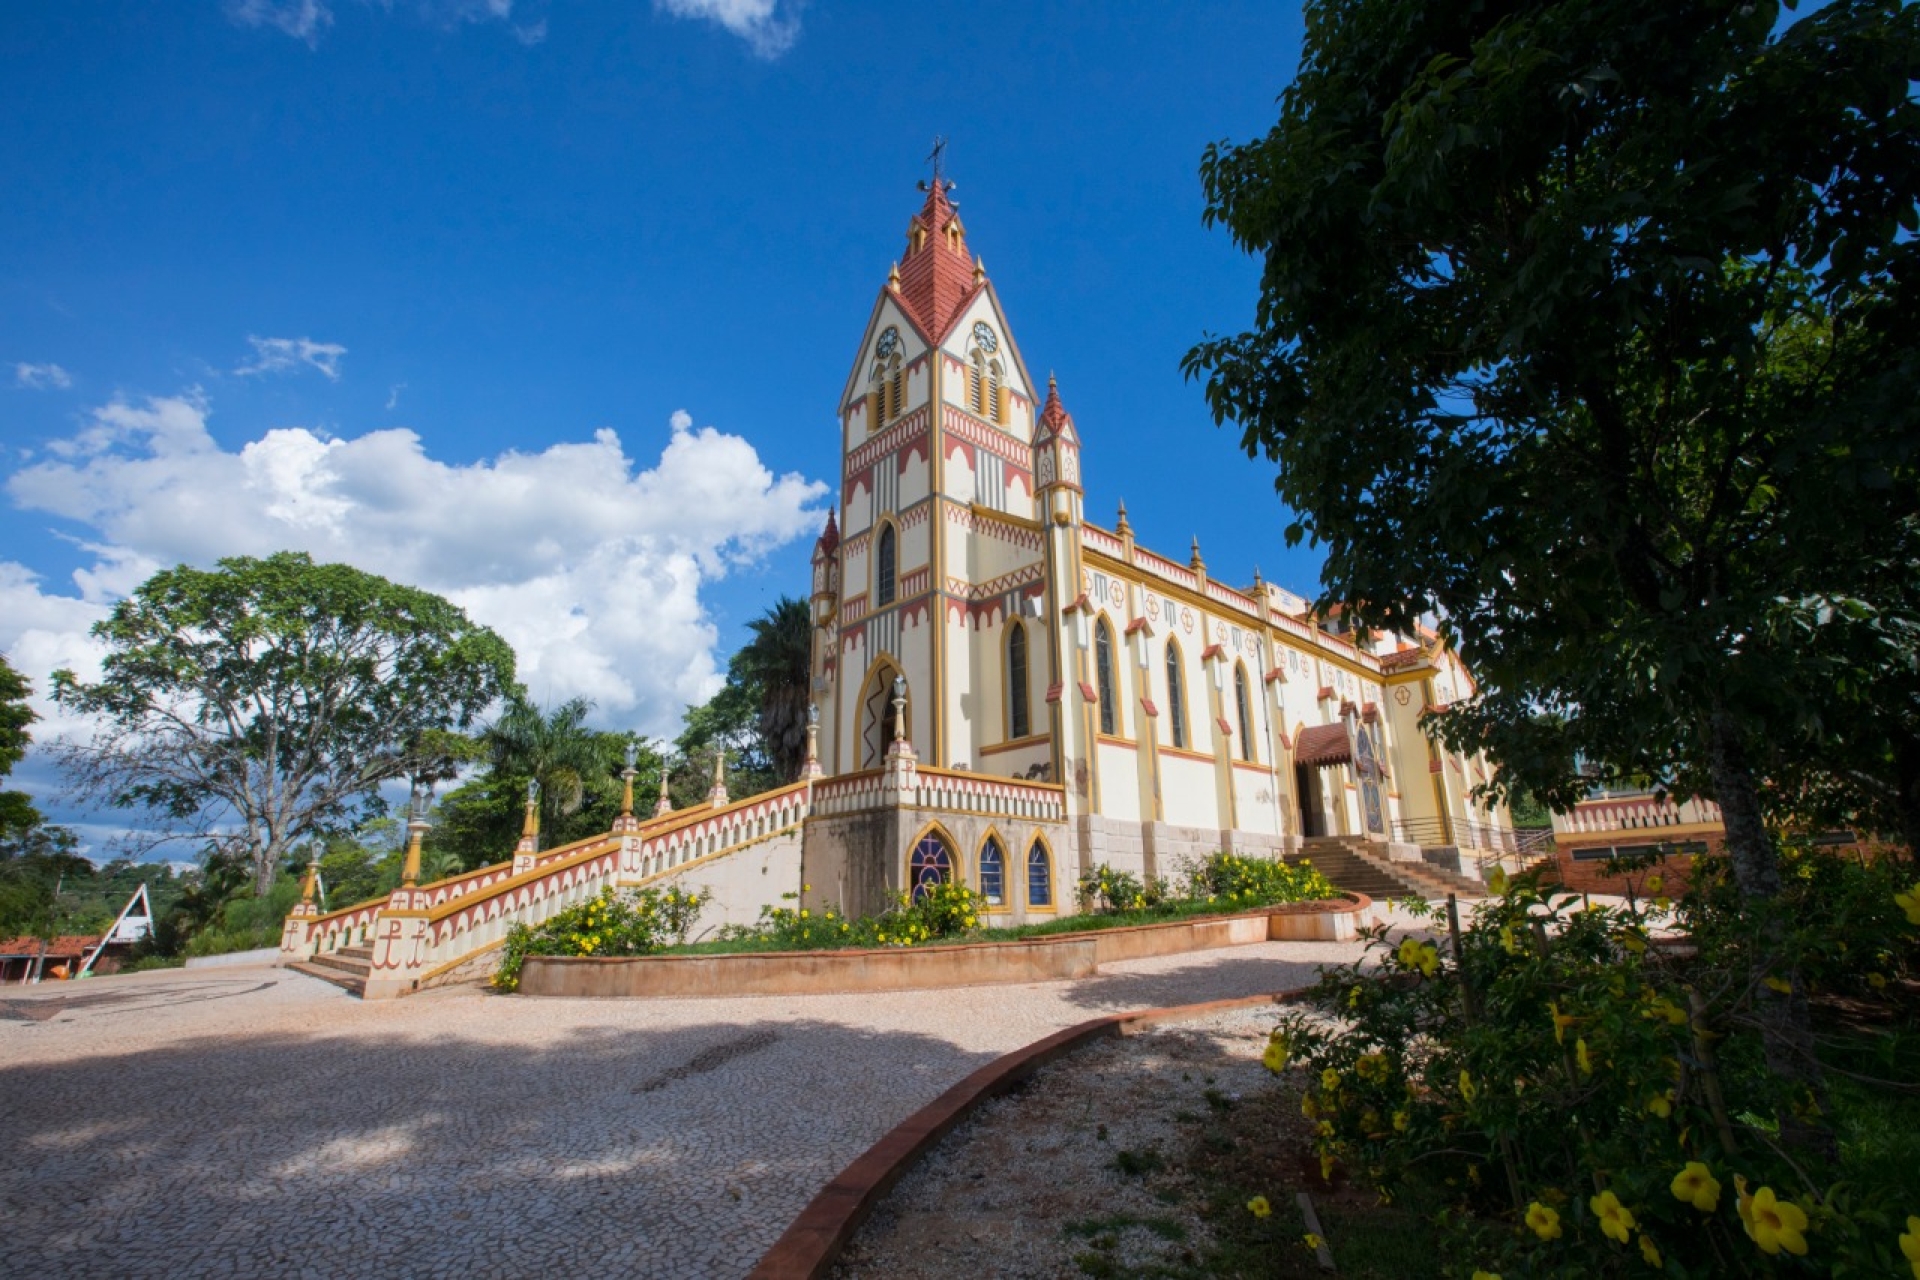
column 812, row 1243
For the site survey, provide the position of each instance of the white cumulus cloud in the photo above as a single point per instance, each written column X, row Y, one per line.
column 41, row 377
column 587, row 558
column 287, row 355
column 768, row 26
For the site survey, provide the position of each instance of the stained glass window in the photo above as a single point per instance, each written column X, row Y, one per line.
column 1103, row 672
column 993, row 872
column 1039, row 876
column 883, row 573
column 1241, row 704
column 1176, row 697
column 1018, row 725
column 932, row 864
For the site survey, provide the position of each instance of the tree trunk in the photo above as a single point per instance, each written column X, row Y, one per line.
column 1786, row 1026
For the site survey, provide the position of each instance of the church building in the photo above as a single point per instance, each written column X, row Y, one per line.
column 1010, row 694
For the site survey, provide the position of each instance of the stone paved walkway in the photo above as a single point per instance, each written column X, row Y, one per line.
column 247, row 1122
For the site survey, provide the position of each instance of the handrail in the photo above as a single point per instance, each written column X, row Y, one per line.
column 498, row 887
column 693, row 817
column 970, row 776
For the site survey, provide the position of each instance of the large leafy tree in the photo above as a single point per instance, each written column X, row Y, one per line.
column 17, row 814
column 266, row 701
column 775, row 666
column 1589, row 326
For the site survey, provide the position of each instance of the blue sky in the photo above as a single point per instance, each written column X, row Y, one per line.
column 423, row 284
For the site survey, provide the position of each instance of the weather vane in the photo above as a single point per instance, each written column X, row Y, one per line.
column 933, row 158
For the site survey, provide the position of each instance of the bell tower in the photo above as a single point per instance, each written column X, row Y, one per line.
column 937, row 557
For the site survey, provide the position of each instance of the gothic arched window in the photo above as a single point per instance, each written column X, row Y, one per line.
column 1104, row 676
column 1018, row 725
column 932, row 864
column 1176, row 697
column 884, row 565
column 993, row 873
column 1243, row 704
column 1039, row 876
column 977, row 385
column 896, row 400
column 997, row 393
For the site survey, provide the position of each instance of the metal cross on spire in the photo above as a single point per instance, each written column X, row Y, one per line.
column 934, row 158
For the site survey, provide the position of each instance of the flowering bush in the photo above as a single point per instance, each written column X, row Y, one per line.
column 945, row 910
column 1586, row 1099
column 1107, row 891
column 1231, row 878
column 626, row 922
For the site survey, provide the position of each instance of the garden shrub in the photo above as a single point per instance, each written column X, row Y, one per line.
column 624, row 922
column 946, row 910
column 1232, row 878
column 1594, row 1105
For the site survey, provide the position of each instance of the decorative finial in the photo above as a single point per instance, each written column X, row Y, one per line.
column 1198, row 565
column 979, row 271
column 1121, row 526
column 899, row 708
column 718, row 795
column 893, row 277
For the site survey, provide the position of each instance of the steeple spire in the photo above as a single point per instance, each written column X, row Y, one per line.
column 937, row 275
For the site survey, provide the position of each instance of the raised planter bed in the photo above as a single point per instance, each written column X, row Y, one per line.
column 1044, row 959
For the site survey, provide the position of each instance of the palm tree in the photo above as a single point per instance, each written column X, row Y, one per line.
column 776, row 668
column 556, row 749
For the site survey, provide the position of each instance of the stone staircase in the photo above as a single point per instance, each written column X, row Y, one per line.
column 346, row 968
column 1348, row 862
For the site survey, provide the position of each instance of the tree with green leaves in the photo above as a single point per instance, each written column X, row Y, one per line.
column 17, row 814
column 266, row 701
column 1589, row 327
column 759, row 717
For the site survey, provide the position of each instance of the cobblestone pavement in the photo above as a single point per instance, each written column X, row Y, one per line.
column 253, row 1121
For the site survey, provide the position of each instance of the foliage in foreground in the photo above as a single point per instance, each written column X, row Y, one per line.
column 1594, row 1106
column 624, row 922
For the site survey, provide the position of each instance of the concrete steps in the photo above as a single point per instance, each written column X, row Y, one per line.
column 1349, row 864
column 346, row 968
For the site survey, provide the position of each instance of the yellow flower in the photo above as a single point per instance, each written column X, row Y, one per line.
column 1259, row 1207
column 1777, row 1224
column 1498, row 881
column 1561, row 1021
column 1781, row 985
column 1909, row 902
column 1310, row 1240
column 1632, row 941
column 1665, row 1008
column 1329, row 1079
column 1743, row 1203
column 1910, row 1245
column 1400, row 1121
column 803, row 913
column 1275, row 1058
column 1307, row 1107
column 806, row 888
column 1655, row 883
column 1486, row 1275
column 1415, row 954
column 1661, row 1104
column 1326, row 1168
column 1878, row 981
column 1584, row 1058
column 1371, row 1066
column 1507, row 942
column 1649, row 1251
column 1545, row 1221
column 1616, row 1220
column 1466, row 1086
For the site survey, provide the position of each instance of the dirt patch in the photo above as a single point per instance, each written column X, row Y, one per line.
column 1131, row 1157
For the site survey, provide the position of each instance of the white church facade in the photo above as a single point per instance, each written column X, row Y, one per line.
column 973, row 625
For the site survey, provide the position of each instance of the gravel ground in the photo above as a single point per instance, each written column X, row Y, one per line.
column 1042, row 1175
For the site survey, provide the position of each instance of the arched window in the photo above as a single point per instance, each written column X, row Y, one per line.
column 1018, row 725
column 977, row 385
column 1103, row 674
column 884, row 557
column 932, row 864
column 1176, row 697
column 1244, row 705
column 996, row 393
column 993, row 873
column 877, row 397
column 1039, row 876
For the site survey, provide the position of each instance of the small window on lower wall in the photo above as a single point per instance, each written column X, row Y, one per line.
column 1039, row 876
column 993, row 873
column 932, row 864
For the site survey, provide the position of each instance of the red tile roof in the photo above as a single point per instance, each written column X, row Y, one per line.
column 1323, row 744
column 937, row 277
